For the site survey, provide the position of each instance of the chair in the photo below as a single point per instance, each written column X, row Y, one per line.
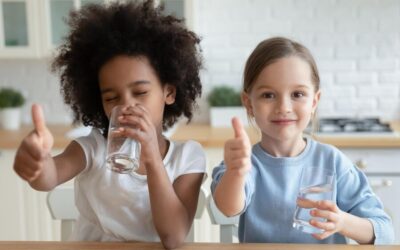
column 201, row 205
column 228, row 228
column 61, row 203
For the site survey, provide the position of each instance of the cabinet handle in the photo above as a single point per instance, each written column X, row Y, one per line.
column 381, row 184
column 361, row 164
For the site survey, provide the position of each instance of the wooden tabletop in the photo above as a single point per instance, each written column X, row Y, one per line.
column 49, row 245
column 215, row 137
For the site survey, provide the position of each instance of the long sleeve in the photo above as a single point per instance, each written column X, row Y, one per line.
column 355, row 196
column 219, row 171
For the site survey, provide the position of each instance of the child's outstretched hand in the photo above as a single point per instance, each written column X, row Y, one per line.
column 327, row 210
column 237, row 151
column 34, row 149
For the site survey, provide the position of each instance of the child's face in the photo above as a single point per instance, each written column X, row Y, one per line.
column 126, row 80
column 283, row 99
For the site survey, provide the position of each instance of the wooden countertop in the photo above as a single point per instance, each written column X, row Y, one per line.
column 215, row 137
column 49, row 245
column 205, row 134
column 10, row 139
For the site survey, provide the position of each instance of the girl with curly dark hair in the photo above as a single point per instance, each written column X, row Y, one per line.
column 126, row 54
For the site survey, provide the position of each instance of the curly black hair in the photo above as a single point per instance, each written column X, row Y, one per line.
column 101, row 32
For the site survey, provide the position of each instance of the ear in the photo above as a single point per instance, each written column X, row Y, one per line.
column 316, row 99
column 247, row 103
column 169, row 94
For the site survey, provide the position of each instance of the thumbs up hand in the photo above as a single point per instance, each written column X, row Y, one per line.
column 237, row 151
column 34, row 149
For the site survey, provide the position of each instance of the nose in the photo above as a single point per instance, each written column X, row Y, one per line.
column 127, row 100
column 284, row 106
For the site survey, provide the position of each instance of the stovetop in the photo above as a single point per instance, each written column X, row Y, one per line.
column 353, row 126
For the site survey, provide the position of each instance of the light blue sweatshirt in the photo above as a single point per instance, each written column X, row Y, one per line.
column 272, row 187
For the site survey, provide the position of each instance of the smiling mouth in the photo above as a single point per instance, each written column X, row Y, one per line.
column 283, row 122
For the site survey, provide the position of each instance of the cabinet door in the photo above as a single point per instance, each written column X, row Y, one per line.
column 54, row 16
column 23, row 211
column 12, row 206
column 375, row 160
column 182, row 9
column 385, row 187
column 17, row 29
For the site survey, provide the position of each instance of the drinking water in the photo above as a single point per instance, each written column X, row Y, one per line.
column 122, row 163
column 302, row 215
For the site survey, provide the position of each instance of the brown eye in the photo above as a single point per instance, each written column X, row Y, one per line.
column 268, row 95
column 298, row 94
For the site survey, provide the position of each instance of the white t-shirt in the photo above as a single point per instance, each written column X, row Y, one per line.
column 116, row 207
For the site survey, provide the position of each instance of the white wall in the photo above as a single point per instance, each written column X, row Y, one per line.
column 38, row 84
column 356, row 44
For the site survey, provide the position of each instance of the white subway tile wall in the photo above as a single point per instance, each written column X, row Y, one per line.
column 356, row 44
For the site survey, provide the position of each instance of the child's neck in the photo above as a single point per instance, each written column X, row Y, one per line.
column 163, row 144
column 283, row 148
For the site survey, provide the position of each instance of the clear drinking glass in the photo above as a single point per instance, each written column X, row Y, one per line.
column 123, row 153
column 316, row 183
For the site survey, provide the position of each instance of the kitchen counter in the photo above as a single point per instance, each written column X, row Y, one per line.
column 205, row 134
column 209, row 136
column 10, row 139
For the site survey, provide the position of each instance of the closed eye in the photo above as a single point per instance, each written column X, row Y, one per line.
column 140, row 93
column 110, row 99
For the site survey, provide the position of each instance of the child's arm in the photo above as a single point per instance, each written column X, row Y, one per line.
column 357, row 212
column 34, row 163
column 229, row 194
column 350, row 226
column 173, row 206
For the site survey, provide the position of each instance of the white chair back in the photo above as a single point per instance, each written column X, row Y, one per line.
column 228, row 228
column 201, row 207
column 61, row 203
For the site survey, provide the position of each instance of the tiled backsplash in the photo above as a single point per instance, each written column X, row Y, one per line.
column 356, row 44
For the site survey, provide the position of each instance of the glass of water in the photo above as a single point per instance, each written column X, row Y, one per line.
column 316, row 183
column 123, row 153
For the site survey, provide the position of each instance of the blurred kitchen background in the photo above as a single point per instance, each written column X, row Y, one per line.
column 356, row 44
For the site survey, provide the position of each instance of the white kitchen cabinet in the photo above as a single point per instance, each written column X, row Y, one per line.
column 53, row 17
column 34, row 28
column 19, row 28
column 381, row 165
column 386, row 187
column 23, row 211
column 183, row 9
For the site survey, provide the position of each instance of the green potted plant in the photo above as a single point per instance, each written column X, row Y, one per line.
column 11, row 101
column 225, row 103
